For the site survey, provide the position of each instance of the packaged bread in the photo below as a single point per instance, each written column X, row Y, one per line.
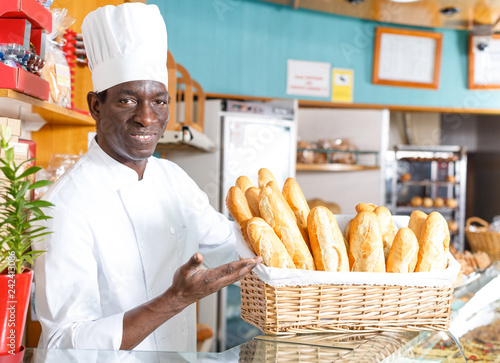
column 404, row 252
column 243, row 182
column 276, row 212
column 327, row 242
column 298, row 203
column 252, row 195
column 239, row 209
column 362, row 207
column 434, row 243
column 366, row 248
column 387, row 227
column 267, row 244
column 417, row 219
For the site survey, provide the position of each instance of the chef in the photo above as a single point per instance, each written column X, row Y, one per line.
column 130, row 231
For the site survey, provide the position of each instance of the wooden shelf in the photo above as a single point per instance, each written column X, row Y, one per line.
column 334, row 167
column 329, row 104
column 428, row 183
column 408, row 209
column 51, row 113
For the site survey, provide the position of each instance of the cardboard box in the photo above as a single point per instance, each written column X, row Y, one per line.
column 39, row 17
column 20, row 80
column 15, row 127
column 15, row 31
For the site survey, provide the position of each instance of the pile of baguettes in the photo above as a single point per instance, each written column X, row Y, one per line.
column 280, row 227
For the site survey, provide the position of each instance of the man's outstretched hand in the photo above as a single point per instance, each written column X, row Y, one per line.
column 192, row 283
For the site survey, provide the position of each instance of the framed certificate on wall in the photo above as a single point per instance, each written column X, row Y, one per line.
column 484, row 62
column 407, row 58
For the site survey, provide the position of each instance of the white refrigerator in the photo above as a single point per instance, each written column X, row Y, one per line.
column 247, row 136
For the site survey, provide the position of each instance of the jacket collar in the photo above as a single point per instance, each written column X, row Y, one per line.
column 120, row 175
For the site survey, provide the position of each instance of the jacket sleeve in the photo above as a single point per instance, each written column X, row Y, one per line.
column 67, row 298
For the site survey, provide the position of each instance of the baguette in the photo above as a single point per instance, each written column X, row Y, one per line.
column 237, row 206
column 387, row 227
column 434, row 244
column 252, row 195
column 276, row 212
column 298, row 203
column 327, row 241
column 404, row 251
column 366, row 248
column 275, row 187
column 347, row 232
column 267, row 244
column 243, row 182
column 417, row 219
column 365, row 207
column 265, row 176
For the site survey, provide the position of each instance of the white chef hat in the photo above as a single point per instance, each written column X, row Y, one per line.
column 125, row 43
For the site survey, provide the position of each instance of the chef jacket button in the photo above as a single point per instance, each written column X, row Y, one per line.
column 172, row 230
column 163, row 343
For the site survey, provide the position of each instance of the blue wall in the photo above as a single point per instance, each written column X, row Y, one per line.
column 242, row 46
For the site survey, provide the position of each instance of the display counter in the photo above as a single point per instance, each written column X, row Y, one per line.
column 475, row 323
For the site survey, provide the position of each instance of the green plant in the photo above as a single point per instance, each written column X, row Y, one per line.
column 19, row 216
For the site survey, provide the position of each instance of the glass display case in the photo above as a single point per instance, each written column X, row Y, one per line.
column 429, row 179
column 475, row 325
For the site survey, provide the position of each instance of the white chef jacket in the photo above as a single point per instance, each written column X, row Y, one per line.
column 116, row 244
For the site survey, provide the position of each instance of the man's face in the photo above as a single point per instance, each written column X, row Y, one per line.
column 131, row 121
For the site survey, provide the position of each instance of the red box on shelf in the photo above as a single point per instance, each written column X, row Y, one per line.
column 15, row 31
column 32, row 10
column 23, row 81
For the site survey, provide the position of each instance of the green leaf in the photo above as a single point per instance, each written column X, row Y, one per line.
column 29, row 171
column 40, row 184
column 9, row 173
column 9, row 155
column 40, row 204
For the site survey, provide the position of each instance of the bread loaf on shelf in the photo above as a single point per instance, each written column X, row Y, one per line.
column 404, row 252
column 298, row 204
column 434, row 244
column 327, row 241
column 276, row 212
column 366, row 248
column 239, row 209
column 267, row 244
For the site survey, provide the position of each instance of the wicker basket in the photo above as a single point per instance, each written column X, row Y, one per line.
column 483, row 239
column 343, row 308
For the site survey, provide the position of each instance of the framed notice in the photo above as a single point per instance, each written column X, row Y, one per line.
column 407, row 58
column 306, row 78
column 484, row 62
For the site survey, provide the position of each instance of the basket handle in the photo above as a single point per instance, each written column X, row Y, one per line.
column 477, row 220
